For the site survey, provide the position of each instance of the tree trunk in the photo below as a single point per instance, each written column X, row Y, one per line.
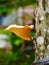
column 42, row 29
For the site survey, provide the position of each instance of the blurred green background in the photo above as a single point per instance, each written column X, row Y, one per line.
column 16, row 56
column 19, row 51
column 8, row 5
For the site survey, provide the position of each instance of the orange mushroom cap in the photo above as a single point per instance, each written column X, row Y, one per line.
column 21, row 31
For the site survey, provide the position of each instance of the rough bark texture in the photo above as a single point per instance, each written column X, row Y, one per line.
column 42, row 28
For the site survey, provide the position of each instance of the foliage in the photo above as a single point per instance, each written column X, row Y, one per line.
column 25, row 2
column 4, row 32
column 12, row 37
column 18, row 42
column 8, row 5
column 16, row 57
column 15, row 40
column 32, row 33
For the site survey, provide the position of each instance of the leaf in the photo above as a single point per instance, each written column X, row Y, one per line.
column 17, row 42
column 32, row 33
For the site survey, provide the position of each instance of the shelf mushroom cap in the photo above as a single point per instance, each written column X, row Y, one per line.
column 21, row 31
